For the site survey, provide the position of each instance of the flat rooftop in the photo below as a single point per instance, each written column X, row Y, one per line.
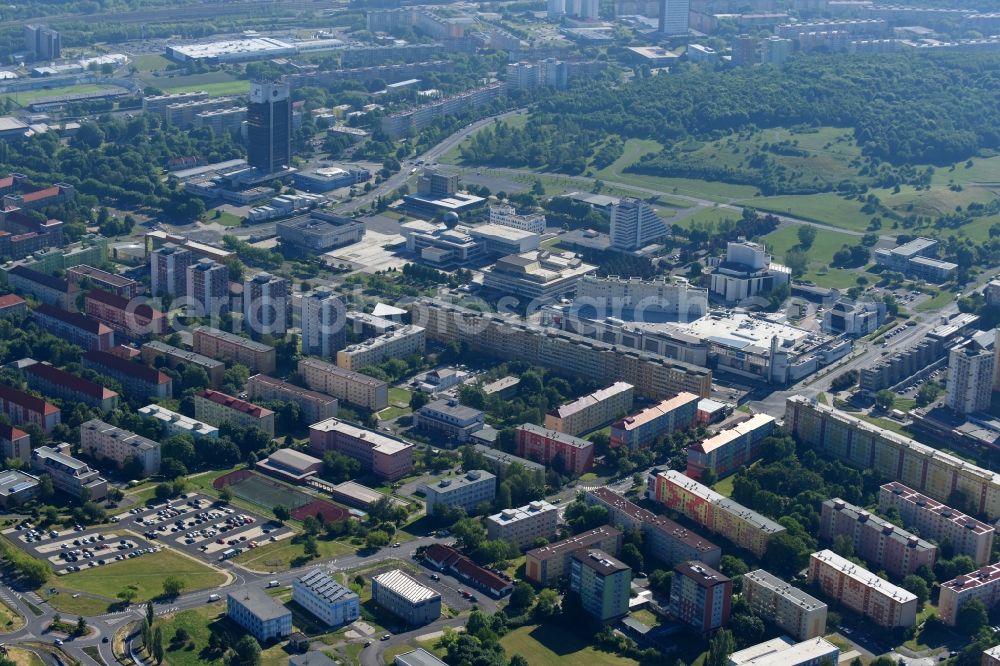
column 865, row 577
column 259, row 602
column 564, row 411
column 730, row 435
column 406, row 587
column 378, row 441
column 656, row 411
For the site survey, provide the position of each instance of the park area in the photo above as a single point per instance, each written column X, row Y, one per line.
column 552, row 645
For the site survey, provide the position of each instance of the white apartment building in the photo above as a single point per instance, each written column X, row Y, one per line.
column 746, row 271
column 970, row 379
column 783, row 652
column 506, row 216
column 103, row 440
column 398, row 343
column 635, row 224
column 266, row 304
column 463, row 492
column 323, row 323
column 178, row 424
column 982, row 584
column 520, row 527
column 330, row 602
column 801, row 615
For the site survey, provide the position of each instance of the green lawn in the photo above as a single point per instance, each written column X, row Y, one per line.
column 27, row 97
column 827, row 208
column 214, row 83
column 226, row 219
column 820, row 255
column 552, row 645
column 81, row 605
column 150, row 62
column 146, row 573
column 725, row 486
column 399, row 395
column 938, row 301
column 283, row 555
column 9, row 620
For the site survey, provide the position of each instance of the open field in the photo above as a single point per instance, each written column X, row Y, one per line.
column 820, row 255
column 9, row 620
column 28, row 96
column 551, row 645
column 284, row 554
column 24, row 657
column 214, row 83
column 146, row 573
column 150, row 62
column 198, row 624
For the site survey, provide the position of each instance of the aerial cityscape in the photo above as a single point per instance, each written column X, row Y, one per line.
column 506, row 333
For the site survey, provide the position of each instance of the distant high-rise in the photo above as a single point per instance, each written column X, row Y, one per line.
column 42, row 43
column 269, row 126
column 323, row 323
column 208, row 284
column 745, row 51
column 635, row 224
column 556, row 8
column 970, row 379
column 674, row 17
column 168, row 270
column 265, row 304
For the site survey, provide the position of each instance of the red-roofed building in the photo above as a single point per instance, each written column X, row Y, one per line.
column 24, row 408
column 48, row 196
column 130, row 317
column 546, row 446
column 55, row 383
column 644, row 428
column 215, row 408
column 14, row 443
column 730, row 449
column 74, row 327
column 982, row 584
column 447, row 559
column 139, row 382
column 12, row 305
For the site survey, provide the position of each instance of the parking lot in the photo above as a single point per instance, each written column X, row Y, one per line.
column 79, row 548
column 202, row 528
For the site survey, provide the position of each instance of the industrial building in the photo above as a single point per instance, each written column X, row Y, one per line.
column 401, row 595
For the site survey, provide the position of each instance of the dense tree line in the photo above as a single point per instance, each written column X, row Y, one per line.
column 904, row 110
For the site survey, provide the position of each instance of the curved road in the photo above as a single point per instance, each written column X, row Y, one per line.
column 106, row 625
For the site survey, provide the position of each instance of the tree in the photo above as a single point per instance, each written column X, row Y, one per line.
column 226, row 495
column 376, row 539
column 806, row 234
column 147, row 634
column 748, row 629
column 547, row 603
column 469, row 532
column 971, row 617
column 150, row 614
column 246, row 652
column 518, row 660
column 797, row 261
column 720, row 647
column 281, row 512
column 708, row 477
column 632, row 557
column 885, row 399
column 158, row 645
column 522, row 596
column 81, row 626
column 917, row 586
column 172, row 586
column 418, row 399
column 310, row 546
column 128, row 594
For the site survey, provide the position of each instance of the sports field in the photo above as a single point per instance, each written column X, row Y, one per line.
column 268, row 493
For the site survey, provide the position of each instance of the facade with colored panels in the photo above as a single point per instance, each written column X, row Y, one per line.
column 216, row 408
column 800, row 614
column 700, row 596
column 877, row 541
column 937, row 521
column 223, row 346
column 644, row 428
column 138, row 381
column 55, row 383
column 549, row 563
column 668, row 541
column 866, row 446
column 543, row 445
column 385, row 456
column 602, row 582
column 862, row 591
column 982, row 584
column 730, row 449
column 24, row 408
column 74, row 327
column 717, row 513
column 133, row 320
